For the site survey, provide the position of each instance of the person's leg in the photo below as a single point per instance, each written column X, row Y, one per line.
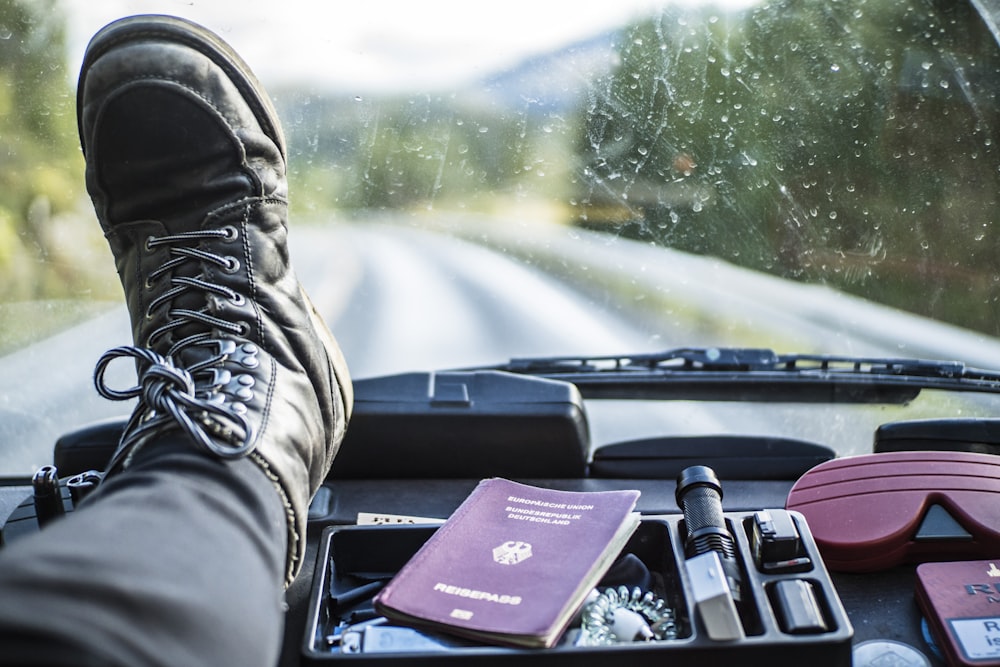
column 176, row 562
column 242, row 397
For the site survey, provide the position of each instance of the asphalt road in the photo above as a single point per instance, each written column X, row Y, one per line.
column 401, row 299
column 398, row 300
column 420, row 301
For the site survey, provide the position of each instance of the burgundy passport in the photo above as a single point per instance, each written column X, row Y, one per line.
column 513, row 563
column 961, row 601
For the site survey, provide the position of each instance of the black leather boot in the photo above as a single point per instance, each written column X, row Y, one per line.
column 186, row 169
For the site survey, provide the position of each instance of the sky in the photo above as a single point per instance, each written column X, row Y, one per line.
column 372, row 45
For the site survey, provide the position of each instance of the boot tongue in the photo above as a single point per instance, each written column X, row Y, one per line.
column 159, row 164
column 183, row 288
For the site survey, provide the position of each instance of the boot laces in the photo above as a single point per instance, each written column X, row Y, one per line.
column 190, row 396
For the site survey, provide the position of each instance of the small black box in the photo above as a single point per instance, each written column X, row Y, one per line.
column 464, row 424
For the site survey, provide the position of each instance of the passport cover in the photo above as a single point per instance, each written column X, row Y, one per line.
column 961, row 601
column 513, row 563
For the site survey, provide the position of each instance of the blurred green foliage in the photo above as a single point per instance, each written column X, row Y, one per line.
column 847, row 142
column 850, row 142
column 43, row 254
column 370, row 155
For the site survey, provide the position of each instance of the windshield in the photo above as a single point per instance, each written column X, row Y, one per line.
column 470, row 184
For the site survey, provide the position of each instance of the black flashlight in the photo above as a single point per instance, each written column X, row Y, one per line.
column 699, row 495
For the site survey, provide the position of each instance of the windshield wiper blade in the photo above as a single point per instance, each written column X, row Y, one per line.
column 747, row 374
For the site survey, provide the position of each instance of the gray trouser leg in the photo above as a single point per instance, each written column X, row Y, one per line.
column 176, row 561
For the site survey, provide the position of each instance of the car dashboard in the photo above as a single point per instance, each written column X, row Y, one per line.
column 421, row 442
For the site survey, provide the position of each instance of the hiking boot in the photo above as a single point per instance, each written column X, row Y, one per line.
column 186, row 169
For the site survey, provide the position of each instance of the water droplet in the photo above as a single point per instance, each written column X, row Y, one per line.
column 834, row 68
column 926, row 65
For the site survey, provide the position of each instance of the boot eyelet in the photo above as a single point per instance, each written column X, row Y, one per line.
column 230, row 233
column 150, row 240
column 149, row 283
column 232, row 265
column 149, row 315
column 237, row 299
column 242, row 329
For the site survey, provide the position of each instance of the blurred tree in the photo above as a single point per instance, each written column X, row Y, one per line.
column 847, row 142
column 40, row 168
column 397, row 153
column 420, row 151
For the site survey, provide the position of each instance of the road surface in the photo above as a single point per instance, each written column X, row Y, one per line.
column 402, row 299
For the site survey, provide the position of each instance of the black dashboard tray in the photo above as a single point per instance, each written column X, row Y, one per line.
column 350, row 556
column 464, row 424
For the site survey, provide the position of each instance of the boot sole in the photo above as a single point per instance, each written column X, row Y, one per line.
column 202, row 40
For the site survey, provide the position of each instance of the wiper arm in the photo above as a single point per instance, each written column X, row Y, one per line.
column 748, row 374
column 734, row 359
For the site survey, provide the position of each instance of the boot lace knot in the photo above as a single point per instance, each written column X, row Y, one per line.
column 189, row 387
